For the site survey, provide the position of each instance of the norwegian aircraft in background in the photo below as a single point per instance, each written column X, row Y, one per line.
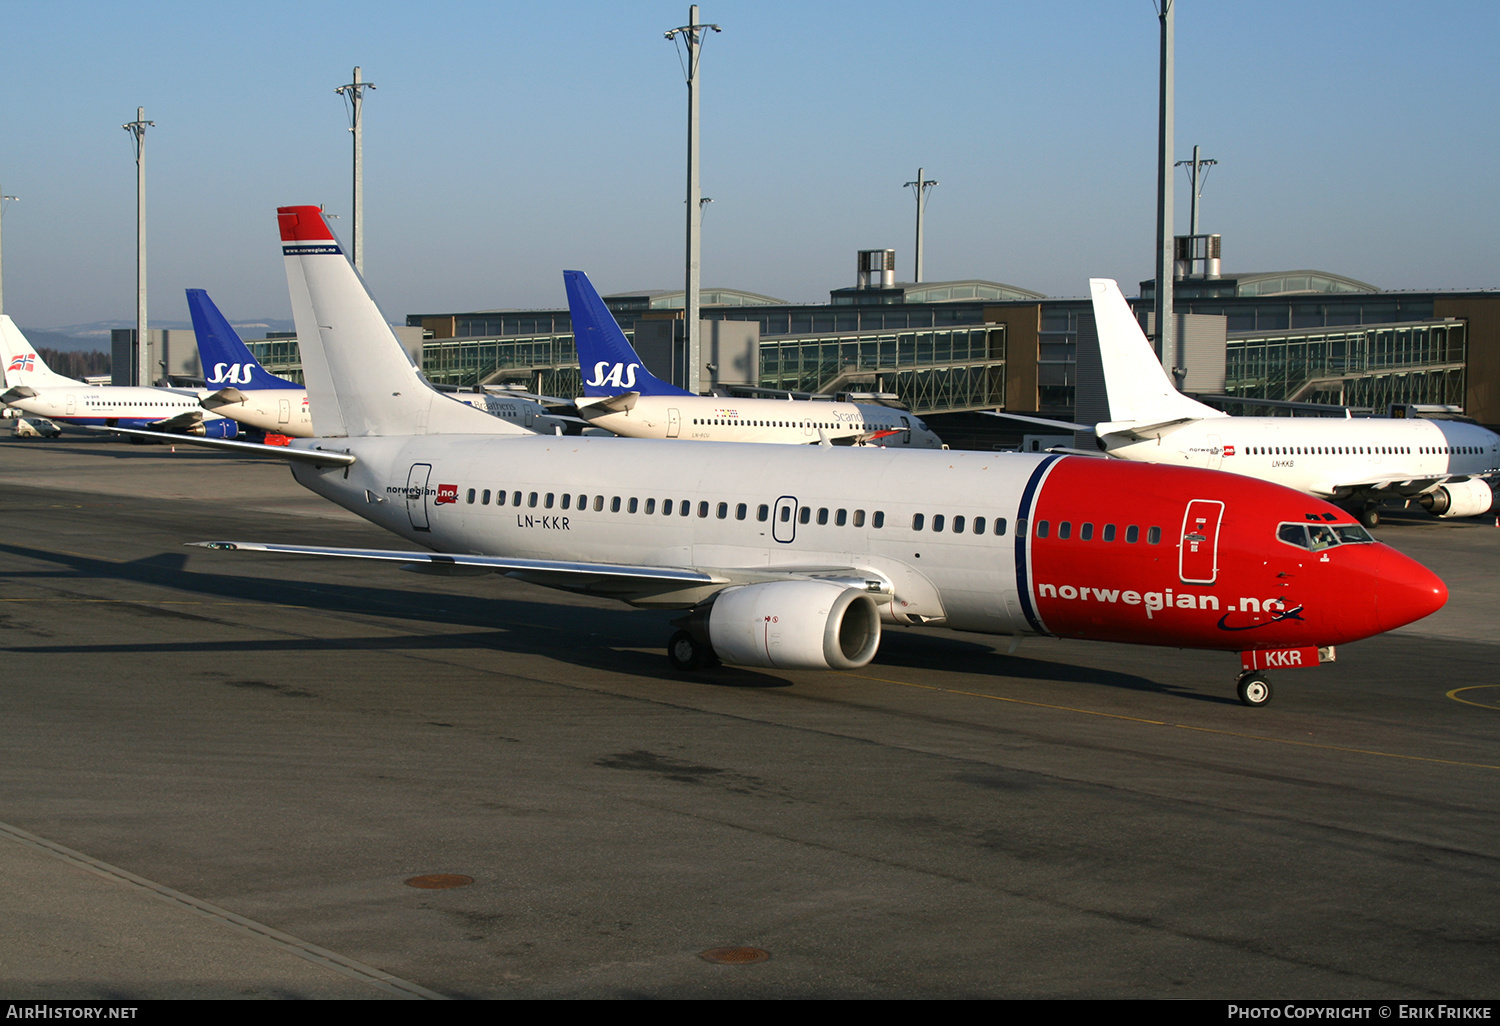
column 257, row 398
column 34, row 387
column 1354, row 463
column 622, row 396
column 794, row 557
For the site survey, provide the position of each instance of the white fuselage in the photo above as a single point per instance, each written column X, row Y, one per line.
column 282, row 411
column 784, row 421
column 1325, row 456
column 742, row 510
column 286, row 411
column 123, row 405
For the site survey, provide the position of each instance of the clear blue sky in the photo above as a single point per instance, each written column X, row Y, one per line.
column 507, row 141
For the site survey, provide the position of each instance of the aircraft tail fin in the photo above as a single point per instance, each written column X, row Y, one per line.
column 606, row 359
column 225, row 357
column 1135, row 382
column 23, row 366
column 360, row 379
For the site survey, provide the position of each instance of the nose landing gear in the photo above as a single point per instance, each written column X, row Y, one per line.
column 1253, row 688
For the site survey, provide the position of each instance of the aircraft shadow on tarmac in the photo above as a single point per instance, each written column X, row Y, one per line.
column 617, row 640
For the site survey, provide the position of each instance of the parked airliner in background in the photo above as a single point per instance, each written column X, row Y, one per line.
column 622, row 396
column 246, row 391
column 1355, row 463
column 257, row 398
column 34, row 387
column 794, row 557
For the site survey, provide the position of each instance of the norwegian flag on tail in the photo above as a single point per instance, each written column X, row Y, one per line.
column 23, row 363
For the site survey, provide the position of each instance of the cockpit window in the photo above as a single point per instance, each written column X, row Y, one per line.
column 1317, row 537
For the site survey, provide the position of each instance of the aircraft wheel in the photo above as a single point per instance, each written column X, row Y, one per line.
column 1254, row 689
column 1370, row 516
column 687, row 654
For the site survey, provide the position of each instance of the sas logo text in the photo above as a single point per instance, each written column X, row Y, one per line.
column 230, row 374
column 446, row 494
column 619, row 375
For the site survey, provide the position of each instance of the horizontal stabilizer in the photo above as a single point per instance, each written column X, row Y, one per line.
column 223, row 397
column 613, row 403
column 1061, row 425
column 1138, row 431
column 317, row 457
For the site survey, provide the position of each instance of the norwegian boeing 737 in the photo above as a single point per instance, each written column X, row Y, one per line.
column 1356, row 463
column 622, row 396
column 794, row 557
column 34, row 387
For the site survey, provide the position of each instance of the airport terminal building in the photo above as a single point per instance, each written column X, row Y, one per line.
column 954, row 346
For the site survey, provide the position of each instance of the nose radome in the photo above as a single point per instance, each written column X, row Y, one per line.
column 1406, row 591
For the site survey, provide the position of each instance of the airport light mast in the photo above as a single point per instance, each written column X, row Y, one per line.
column 354, row 98
column 1166, row 335
column 13, row 199
column 922, row 186
column 1197, row 175
column 692, row 35
column 137, row 129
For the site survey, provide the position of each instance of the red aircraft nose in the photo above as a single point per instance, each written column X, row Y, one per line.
column 1405, row 591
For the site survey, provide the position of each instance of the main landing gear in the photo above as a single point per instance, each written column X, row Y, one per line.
column 1253, row 688
column 687, row 654
column 1369, row 515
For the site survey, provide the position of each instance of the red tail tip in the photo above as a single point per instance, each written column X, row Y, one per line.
column 303, row 224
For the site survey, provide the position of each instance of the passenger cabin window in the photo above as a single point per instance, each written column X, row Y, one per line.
column 917, row 520
column 1132, row 534
column 1153, row 536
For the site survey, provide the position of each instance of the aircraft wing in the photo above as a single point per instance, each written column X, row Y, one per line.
column 1390, row 485
column 642, row 584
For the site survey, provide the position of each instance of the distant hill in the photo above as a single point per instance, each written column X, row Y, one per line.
column 94, row 338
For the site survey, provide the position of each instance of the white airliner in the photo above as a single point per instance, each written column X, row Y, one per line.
column 1356, row 463
column 794, row 556
column 255, row 397
column 34, row 387
column 623, row 396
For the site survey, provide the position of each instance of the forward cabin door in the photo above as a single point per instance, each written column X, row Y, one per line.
column 284, row 411
column 674, row 422
column 1215, row 451
column 416, row 495
column 1198, row 548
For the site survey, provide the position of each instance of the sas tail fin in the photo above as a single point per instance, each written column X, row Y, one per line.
column 22, row 364
column 225, row 357
column 1134, row 380
column 360, row 380
column 607, row 361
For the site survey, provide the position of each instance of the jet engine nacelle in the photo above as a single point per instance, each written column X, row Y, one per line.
column 1460, row 499
column 224, row 428
column 794, row 625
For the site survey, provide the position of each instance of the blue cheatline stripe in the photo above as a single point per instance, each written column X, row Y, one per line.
column 1023, row 538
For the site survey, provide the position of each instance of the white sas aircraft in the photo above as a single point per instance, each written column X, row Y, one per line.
column 622, row 396
column 794, row 557
column 1354, row 463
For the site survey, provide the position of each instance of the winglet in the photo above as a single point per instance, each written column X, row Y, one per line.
column 608, row 363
